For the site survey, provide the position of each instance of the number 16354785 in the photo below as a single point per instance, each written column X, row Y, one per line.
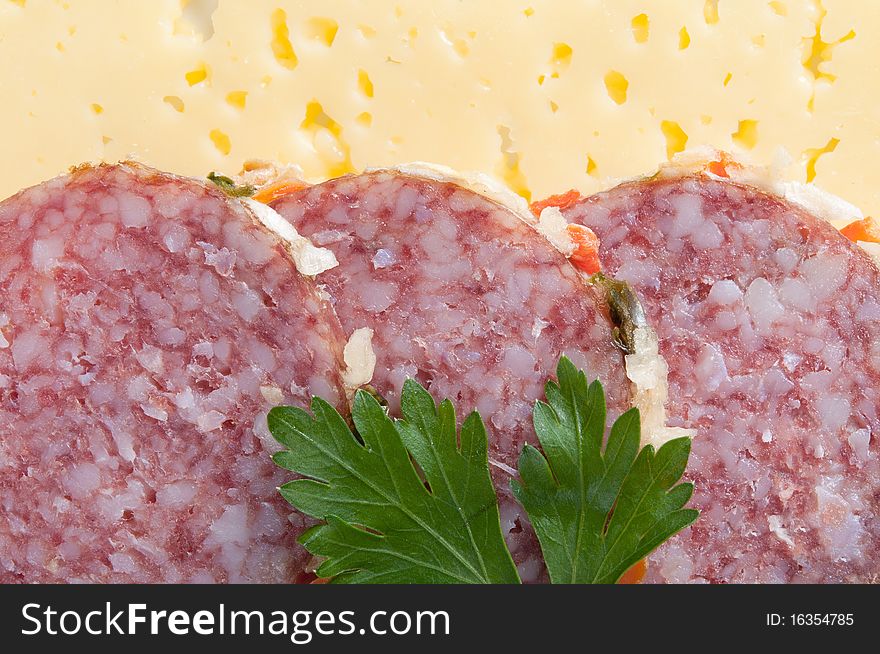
column 810, row 620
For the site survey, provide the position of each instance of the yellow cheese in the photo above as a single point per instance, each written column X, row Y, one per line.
column 545, row 95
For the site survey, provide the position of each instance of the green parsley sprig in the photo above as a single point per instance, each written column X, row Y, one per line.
column 383, row 523
column 598, row 513
column 411, row 500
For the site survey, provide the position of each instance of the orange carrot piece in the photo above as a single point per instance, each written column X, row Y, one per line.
column 561, row 201
column 866, row 229
column 635, row 574
column 272, row 192
column 717, row 168
column 722, row 166
column 586, row 249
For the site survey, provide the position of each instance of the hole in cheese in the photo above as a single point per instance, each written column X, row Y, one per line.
column 818, row 51
column 616, row 85
column 640, row 28
column 591, row 166
column 710, row 12
column 811, row 156
column 221, row 141
column 676, row 137
column 508, row 168
column 778, row 8
column 196, row 18
column 365, row 84
column 317, row 117
column 97, row 109
column 327, row 139
column 364, row 119
column 237, row 99
column 746, row 134
column 197, row 75
column 322, row 30
column 684, row 39
column 459, row 45
column 561, row 55
column 281, row 45
column 174, row 102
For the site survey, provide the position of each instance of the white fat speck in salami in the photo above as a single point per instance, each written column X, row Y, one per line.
column 464, row 296
column 148, row 324
column 767, row 320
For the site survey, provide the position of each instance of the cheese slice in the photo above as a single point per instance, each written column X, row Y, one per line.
column 544, row 95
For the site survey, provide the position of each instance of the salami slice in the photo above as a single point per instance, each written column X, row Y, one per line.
column 769, row 320
column 465, row 297
column 147, row 323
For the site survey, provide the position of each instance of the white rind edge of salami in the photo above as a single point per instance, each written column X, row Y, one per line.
column 480, row 183
column 148, row 323
column 770, row 179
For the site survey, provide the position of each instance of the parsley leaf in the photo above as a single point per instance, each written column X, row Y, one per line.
column 383, row 523
column 597, row 513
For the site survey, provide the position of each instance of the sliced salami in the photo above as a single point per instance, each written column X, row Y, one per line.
column 147, row 323
column 769, row 320
column 464, row 296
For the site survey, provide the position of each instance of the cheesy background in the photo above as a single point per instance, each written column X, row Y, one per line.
column 547, row 96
